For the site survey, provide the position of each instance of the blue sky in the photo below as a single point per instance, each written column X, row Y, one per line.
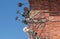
column 9, row 27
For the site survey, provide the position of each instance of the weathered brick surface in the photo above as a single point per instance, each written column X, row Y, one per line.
column 52, row 26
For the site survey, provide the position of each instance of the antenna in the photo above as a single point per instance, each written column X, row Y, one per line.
column 24, row 14
column 21, row 4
